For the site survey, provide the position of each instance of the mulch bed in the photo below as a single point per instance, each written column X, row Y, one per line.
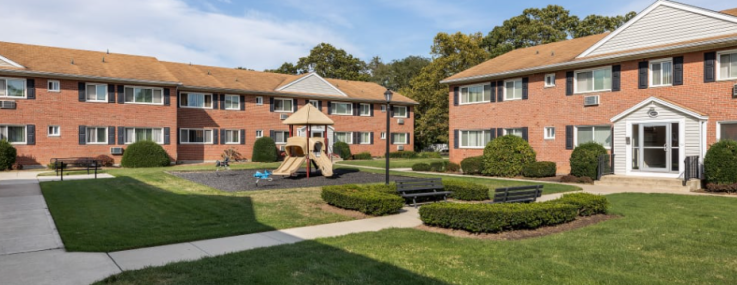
column 243, row 180
column 580, row 222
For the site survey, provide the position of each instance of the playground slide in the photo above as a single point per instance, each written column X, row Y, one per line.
column 324, row 163
column 290, row 165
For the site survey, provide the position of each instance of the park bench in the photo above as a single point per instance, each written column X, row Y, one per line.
column 80, row 163
column 414, row 188
column 518, row 194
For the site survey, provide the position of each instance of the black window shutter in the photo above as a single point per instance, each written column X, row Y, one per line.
column 492, row 133
column 493, row 92
column 242, row 102
column 121, row 94
column 616, row 75
column 456, row 139
column 319, row 105
column 371, row 110
column 215, row 100
column 678, row 70
column 409, row 138
column 271, row 104
column 524, row 134
column 371, row 138
column 455, row 96
column 525, row 82
column 356, row 109
column 271, row 134
column 222, row 136
column 499, row 132
column 30, row 89
column 111, row 93
column 179, row 136
column 81, row 87
column 179, row 99
column 243, row 136
column 214, row 136
column 569, row 137
column 710, row 66
column 356, row 138
column 82, row 134
column 391, row 138
column 330, row 108
column 294, row 105
column 167, row 98
column 642, row 68
column 167, row 136
column 500, row 91
column 569, row 83
column 121, row 135
column 222, row 101
column 30, row 134
column 111, row 135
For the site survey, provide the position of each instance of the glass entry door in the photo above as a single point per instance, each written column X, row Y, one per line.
column 658, row 147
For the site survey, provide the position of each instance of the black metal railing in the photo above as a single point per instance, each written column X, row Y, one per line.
column 692, row 168
column 606, row 165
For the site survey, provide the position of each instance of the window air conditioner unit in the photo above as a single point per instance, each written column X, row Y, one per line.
column 591, row 100
column 7, row 104
column 283, row 116
column 400, row 147
column 116, row 150
column 734, row 91
column 400, row 121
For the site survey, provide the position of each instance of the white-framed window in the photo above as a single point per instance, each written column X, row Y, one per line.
column 195, row 136
column 661, row 72
column 144, row 134
column 346, row 137
column 195, row 100
column 475, row 94
column 383, row 108
column 513, row 131
column 259, row 133
column 53, row 85
column 283, row 105
column 399, row 111
column 13, row 134
column 513, row 89
column 12, row 87
column 280, row 137
column 96, row 92
column 383, row 135
column 259, row 100
column 549, row 133
column 232, row 137
column 54, row 131
column 599, row 134
column 366, row 138
column 314, row 103
column 144, row 95
column 340, row 108
column 96, row 135
column 550, row 80
column 727, row 130
column 727, row 65
column 399, row 138
column 232, row 102
column 593, row 80
column 365, row 109
column 475, row 139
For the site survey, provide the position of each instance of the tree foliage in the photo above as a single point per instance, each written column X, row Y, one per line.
column 596, row 24
column 396, row 74
column 330, row 62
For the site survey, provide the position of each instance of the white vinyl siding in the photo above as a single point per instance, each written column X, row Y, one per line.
column 13, row 134
column 195, row 100
column 144, row 134
column 54, row 86
column 232, row 102
column 593, row 80
column 12, row 87
column 144, row 95
column 475, row 94
column 96, row 135
column 232, row 137
column 96, row 92
column 475, row 139
column 365, row 109
column 195, row 136
column 283, row 105
column 312, row 84
column 341, row 108
column 346, row 137
column 513, row 89
column 727, row 65
column 399, row 111
column 399, row 138
column 661, row 72
column 599, row 134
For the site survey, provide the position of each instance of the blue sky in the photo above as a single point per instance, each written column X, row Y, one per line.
column 264, row 34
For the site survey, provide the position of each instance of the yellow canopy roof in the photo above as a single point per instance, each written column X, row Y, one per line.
column 308, row 115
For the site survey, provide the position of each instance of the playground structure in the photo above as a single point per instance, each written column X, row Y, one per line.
column 312, row 150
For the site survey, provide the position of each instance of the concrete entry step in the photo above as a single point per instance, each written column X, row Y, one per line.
column 640, row 182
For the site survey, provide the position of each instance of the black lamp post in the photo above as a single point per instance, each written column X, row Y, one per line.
column 388, row 95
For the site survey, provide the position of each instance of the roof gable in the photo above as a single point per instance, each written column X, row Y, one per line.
column 663, row 103
column 5, row 62
column 662, row 23
column 312, row 84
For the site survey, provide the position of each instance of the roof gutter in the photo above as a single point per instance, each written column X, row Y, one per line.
column 87, row 78
column 284, row 94
column 598, row 60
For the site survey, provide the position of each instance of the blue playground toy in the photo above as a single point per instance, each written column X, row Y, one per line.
column 266, row 175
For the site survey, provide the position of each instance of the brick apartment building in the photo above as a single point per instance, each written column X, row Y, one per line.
column 656, row 90
column 60, row 102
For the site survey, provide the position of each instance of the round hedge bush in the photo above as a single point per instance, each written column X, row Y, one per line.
column 145, row 154
column 585, row 159
column 506, row 156
column 452, row 167
column 438, row 166
column 7, row 155
column 720, row 163
column 539, row 169
column 472, row 165
column 264, row 150
column 342, row 149
column 421, row 167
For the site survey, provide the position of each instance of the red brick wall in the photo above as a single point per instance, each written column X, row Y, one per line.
column 551, row 107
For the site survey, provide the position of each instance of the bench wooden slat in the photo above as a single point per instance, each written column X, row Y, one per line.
column 528, row 193
column 421, row 187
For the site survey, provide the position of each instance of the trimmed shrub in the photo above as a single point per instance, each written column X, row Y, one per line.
column 145, row 154
column 342, row 149
column 587, row 204
column 363, row 155
column 472, row 165
column 466, row 191
column 8, row 154
column 421, row 167
column 452, row 167
column 491, row 218
column 264, row 150
column 403, row 154
column 727, row 188
column 585, row 159
column 506, row 156
column 438, row 166
column 105, row 160
column 720, row 163
column 373, row 200
column 539, row 169
column 383, row 188
column 428, row 154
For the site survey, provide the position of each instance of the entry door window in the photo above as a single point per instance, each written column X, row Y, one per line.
column 656, row 147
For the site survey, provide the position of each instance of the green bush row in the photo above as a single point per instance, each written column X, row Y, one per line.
column 587, row 204
column 363, row 156
column 467, row 191
column 428, row 154
column 371, row 200
column 539, row 169
column 403, row 154
column 421, row 167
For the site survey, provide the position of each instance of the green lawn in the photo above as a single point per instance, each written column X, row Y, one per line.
column 660, row 239
column 393, row 163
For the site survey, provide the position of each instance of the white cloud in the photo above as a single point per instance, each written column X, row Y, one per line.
column 167, row 29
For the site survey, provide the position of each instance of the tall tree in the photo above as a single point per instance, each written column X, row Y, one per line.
column 330, row 62
column 596, row 24
column 285, row 68
column 398, row 73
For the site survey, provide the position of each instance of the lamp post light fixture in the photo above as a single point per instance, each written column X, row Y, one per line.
column 388, row 95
